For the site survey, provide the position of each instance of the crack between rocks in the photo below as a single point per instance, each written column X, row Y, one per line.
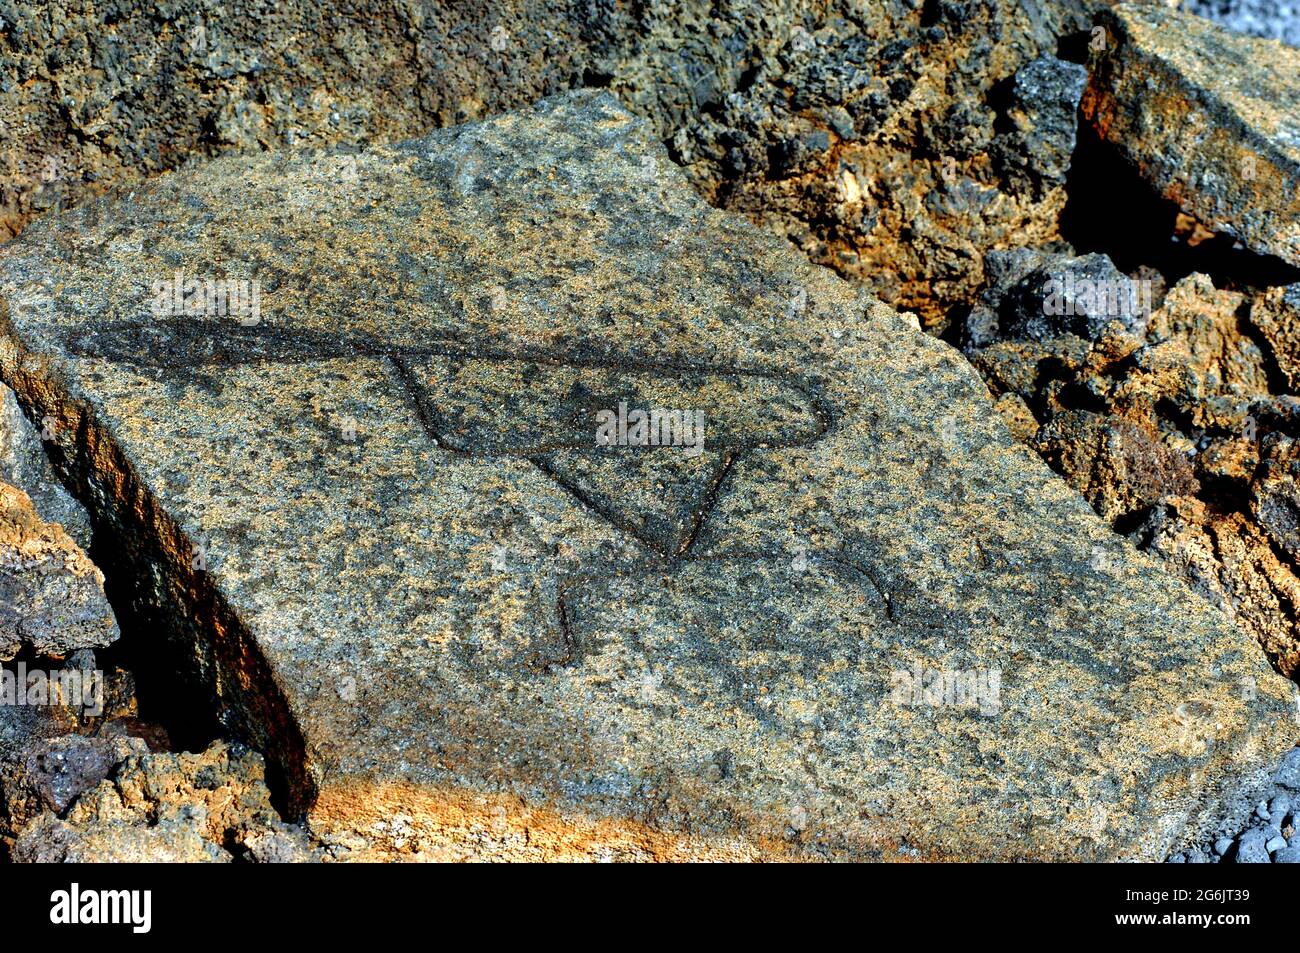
column 203, row 635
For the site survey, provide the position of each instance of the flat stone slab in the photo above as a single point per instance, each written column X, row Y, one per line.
column 1209, row 117
column 857, row 619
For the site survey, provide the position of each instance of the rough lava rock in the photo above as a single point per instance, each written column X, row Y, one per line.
column 1210, row 119
column 50, row 774
column 1172, row 431
column 857, row 618
column 24, row 464
column 51, row 595
column 1036, row 152
column 209, row 807
column 1037, row 294
column 1276, row 315
column 96, row 93
column 880, row 142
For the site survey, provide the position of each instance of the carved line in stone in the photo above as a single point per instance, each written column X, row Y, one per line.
column 165, row 344
column 238, row 345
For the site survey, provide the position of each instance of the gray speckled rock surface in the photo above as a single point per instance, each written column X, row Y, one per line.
column 1209, row 117
column 860, row 619
column 1035, row 152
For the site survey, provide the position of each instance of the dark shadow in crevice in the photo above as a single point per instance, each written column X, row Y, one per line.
column 1129, row 524
column 1073, row 47
column 1001, row 99
column 1112, row 210
column 596, row 79
column 163, row 696
column 164, row 691
column 1075, row 396
column 1273, row 373
column 180, row 640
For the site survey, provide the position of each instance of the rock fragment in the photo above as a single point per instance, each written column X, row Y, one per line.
column 1210, row 119
column 51, row 595
column 1276, row 314
column 168, row 808
column 50, row 774
column 1206, row 324
column 1039, row 295
column 1251, row 848
column 1035, row 154
column 24, row 464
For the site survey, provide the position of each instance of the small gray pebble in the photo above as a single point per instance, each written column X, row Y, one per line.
column 1251, row 853
column 1261, row 811
column 1223, row 845
column 82, row 660
column 1280, row 807
column 1176, row 859
column 1276, row 844
column 1287, row 855
column 1251, row 849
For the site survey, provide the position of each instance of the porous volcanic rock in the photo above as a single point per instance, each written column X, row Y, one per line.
column 1034, row 295
column 1210, row 118
column 1276, row 315
column 209, row 807
column 1035, row 153
column 885, row 147
column 50, row 774
column 52, row 753
column 95, row 93
column 858, row 618
column 1175, row 430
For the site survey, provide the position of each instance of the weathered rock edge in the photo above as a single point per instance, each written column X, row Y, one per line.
column 156, row 564
column 51, row 595
column 1210, row 119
